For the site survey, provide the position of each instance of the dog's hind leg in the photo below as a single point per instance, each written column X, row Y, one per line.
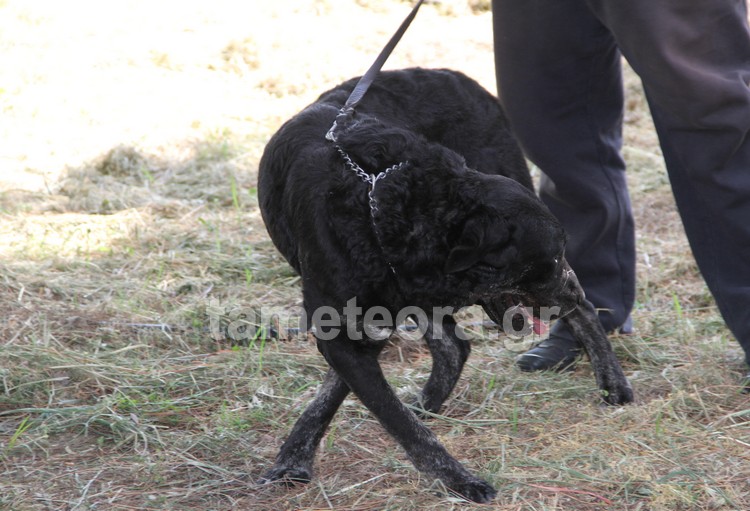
column 295, row 459
column 449, row 353
column 357, row 364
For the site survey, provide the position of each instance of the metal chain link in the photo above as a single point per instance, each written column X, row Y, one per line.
column 372, row 180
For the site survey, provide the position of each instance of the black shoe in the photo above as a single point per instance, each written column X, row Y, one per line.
column 560, row 351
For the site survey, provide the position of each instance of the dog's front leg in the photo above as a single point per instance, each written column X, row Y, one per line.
column 357, row 364
column 449, row 353
column 295, row 459
column 587, row 329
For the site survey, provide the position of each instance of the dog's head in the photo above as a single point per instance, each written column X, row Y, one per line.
column 512, row 249
column 505, row 249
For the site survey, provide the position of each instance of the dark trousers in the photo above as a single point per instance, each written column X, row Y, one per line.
column 559, row 79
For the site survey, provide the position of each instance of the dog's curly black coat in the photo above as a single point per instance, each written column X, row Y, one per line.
column 456, row 224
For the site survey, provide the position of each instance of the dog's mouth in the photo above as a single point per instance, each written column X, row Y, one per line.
column 510, row 313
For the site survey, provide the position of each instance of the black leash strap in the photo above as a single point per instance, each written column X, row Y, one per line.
column 346, row 112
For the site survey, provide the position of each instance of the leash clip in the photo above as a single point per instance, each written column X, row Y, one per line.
column 344, row 117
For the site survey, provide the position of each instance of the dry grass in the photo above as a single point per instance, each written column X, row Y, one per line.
column 131, row 136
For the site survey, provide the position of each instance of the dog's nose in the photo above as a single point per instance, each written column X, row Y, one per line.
column 580, row 296
column 571, row 283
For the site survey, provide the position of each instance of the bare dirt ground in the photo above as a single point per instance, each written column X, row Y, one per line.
column 130, row 137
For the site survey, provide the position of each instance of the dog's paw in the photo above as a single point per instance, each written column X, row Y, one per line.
column 288, row 476
column 424, row 407
column 474, row 490
column 620, row 393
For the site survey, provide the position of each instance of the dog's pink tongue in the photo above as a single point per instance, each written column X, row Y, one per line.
column 539, row 326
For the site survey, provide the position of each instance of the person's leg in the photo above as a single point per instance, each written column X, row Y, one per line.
column 559, row 81
column 694, row 60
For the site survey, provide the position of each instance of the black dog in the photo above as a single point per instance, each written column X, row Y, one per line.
column 450, row 220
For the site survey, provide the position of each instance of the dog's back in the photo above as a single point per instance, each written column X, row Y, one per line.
column 446, row 107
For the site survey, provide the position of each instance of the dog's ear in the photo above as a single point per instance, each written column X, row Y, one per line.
column 484, row 239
